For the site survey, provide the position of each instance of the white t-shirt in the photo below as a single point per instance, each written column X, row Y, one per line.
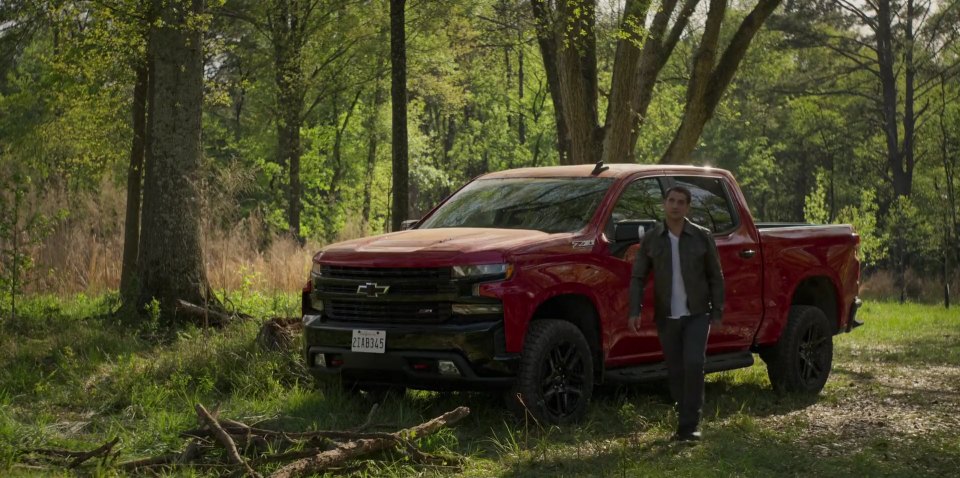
column 678, row 293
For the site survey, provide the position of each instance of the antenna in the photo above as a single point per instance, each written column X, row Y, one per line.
column 599, row 168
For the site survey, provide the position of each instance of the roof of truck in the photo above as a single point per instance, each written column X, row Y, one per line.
column 615, row 170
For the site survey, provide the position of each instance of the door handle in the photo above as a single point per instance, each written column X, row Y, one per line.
column 747, row 253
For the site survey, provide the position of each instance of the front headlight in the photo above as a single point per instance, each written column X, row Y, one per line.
column 484, row 271
column 316, row 271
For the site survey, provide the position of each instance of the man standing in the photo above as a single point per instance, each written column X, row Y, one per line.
column 688, row 285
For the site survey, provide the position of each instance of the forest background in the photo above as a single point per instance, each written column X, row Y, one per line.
column 839, row 111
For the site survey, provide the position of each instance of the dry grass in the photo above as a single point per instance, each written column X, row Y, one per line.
column 85, row 250
column 880, row 286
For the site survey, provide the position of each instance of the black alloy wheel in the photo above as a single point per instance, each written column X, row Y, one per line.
column 555, row 380
column 800, row 362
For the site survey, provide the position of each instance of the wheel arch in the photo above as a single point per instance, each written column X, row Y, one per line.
column 819, row 291
column 580, row 311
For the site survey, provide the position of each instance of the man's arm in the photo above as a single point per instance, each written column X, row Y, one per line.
column 714, row 279
column 638, row 280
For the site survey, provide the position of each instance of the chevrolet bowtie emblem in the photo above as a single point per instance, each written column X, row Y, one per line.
column 372, row 289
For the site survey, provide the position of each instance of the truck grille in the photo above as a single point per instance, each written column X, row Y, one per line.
column 375, row 273
column 392, row 312
column 395, row 288
column 414, row 295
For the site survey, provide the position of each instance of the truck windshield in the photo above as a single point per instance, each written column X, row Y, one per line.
column 543, row 204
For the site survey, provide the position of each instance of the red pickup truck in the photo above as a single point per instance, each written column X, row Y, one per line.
column 519, row 280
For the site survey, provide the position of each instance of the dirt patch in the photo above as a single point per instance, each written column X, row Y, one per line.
column 872, row 401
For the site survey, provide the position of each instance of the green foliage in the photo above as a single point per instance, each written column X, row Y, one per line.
column 863, row 217
column 910, row 232
column 815, row 206
column 21, row 230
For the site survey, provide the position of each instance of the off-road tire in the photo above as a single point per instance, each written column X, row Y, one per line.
column 555, row 379
column 800, row 362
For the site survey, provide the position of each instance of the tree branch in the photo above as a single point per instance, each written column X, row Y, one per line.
column 224, row 438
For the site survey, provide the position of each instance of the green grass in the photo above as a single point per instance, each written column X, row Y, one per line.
column 72, row 377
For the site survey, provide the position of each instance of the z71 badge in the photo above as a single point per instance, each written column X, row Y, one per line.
column 584, row 243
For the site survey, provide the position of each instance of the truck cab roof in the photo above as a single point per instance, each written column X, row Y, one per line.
column 615, row 170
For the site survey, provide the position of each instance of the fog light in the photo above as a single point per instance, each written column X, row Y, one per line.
column 316, row 303
column 320, row 360
column 447, row 367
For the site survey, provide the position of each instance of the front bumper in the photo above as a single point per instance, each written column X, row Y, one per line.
column 413, row 355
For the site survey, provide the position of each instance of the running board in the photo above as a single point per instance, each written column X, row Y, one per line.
column 658, row 370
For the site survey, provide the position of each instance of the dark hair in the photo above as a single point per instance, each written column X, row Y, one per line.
column 680, row 189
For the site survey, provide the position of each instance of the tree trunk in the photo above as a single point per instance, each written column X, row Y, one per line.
column 548, row 50
column 398, row 95
column 695, row 115
column 521, row 116
column 288, row 49
column 333, row 195
column 620, row 113
column 577, row 69
column 656, row 52
column 131, row 231
column 373, row 141
column 909, row 93
column 171, row 263
column 566, row 34
column 888, row 91
column 708, row 84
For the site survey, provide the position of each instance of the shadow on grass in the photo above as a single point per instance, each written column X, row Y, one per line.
column 745, row 452
column 490, row 432
column 41, row 349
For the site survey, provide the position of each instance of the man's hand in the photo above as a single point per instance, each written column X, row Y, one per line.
column 634, row 323
column 716, row 317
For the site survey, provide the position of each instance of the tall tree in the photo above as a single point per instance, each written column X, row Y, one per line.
column 131, row 234
column 567, row 38
column 303, row 78
column 398, row 95
column 897, row 51
column 171, row 263
column 142, row 91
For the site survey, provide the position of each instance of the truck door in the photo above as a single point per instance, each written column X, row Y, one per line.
column 739, row 247
column 641, row 199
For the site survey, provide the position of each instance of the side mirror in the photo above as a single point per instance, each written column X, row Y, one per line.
column 408, row 224
column 631, row 230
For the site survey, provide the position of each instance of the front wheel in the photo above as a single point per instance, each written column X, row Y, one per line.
column 800, row 362
column 555, row 379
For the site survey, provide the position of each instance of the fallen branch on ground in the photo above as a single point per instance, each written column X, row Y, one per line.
column 225, row 440
column 207, row 316
column 301, row 453
column 78, row 457
column 355, row 448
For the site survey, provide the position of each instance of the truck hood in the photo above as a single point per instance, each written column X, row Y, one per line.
column 436, row 243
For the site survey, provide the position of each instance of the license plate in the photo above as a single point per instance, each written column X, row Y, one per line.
column 370, row 341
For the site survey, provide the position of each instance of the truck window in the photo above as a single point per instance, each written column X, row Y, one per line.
column 641, row 199
column 710, row 206
column 543, row 204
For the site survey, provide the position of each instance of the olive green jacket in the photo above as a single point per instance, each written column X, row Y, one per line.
column 699, row 263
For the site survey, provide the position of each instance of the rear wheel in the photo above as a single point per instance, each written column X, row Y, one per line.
column 555, row 380
column 800, row 362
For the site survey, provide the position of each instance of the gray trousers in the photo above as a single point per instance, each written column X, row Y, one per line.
column 684, row 343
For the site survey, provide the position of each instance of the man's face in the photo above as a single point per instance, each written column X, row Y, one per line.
column 675, row 205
